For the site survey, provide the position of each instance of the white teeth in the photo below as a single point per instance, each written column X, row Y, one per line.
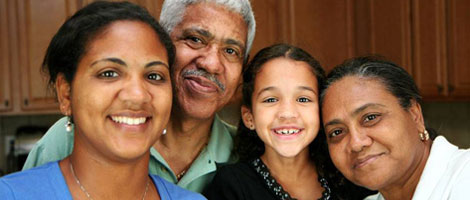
column 129, row 120
column 287, row 131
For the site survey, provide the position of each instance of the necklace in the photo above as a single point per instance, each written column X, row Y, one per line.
column 88, row 194
column 182, row 173
column 275, row 188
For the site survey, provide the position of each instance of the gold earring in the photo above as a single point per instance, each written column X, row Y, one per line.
column 424, row 135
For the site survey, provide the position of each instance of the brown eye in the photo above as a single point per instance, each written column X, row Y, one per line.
column 154, row 76
column 303, row 100
column 334, row 133
column 195, row 42
column 270, row 100
column 370, row 117
column 108, row 74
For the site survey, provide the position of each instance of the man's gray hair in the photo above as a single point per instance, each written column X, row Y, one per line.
column 173, row 11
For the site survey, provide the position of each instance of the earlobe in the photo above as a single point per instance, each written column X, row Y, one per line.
column 63, row 94
column 247, row 117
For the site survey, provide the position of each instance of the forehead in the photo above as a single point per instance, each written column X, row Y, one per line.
column 285, row 72
column 352, row 92
column 126, row 38
column 217, row 20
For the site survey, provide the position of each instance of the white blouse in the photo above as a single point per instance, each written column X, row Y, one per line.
column 445, row 176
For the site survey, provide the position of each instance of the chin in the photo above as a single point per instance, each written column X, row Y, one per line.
column 370, row 182
column 288, row 152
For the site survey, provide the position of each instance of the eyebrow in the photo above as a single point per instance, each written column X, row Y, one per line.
column 153, row 63
column 209, row 35
column 200, row 31
column 355, row 112
column 236, row 43
column 113, row 60
column 121, row 62
column 274, row 88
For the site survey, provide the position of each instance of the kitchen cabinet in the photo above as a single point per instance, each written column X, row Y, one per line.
column 5, row 83
column 37, row 22
column 428, row 38
column 441, row 49
column 27, row 27
column 458, row 32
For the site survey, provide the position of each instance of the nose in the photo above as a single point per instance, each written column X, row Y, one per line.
column 211, row 60
column 134, row 93
column 287, row 110
column 359, row 140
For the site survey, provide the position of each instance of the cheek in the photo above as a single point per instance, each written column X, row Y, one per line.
column 338, row 157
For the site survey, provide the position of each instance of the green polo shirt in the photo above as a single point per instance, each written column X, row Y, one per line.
column 57, row 144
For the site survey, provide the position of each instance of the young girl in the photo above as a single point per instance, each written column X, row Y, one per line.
column 282, row 156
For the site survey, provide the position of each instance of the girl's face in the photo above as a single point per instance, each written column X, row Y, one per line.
column 285, row 111
column 121, row 94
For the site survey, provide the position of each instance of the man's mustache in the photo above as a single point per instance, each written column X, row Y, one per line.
column 205, row 74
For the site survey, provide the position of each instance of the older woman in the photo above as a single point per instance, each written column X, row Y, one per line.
column 110, row 65
column 377, row 137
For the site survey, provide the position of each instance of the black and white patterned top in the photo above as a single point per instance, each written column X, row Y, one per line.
column 276, row 188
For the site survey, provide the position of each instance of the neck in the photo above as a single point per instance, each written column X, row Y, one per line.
column 103, row 179
column 298, row 166
column 184, row 140
column 405, row 188
column 186, row 132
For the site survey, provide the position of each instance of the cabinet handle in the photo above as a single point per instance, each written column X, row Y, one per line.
column 451, row 88
column 26, row 102
column 440, row 89
column 6, row 103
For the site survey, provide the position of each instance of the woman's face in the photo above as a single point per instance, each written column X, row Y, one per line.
column 285, row 109
column 121, row 93
column 372, row 140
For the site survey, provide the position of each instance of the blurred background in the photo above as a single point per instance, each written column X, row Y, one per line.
column 429, row 38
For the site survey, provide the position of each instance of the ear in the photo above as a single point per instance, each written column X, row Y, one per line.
column 247, row 117
column 63, row 94
column 417, row 115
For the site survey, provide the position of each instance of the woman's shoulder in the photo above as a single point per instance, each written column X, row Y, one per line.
column 36, row 183
column 169, row 190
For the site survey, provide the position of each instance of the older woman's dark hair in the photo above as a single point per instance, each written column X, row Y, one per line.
column 249, row 146
column 70, row 43
column 395, row 79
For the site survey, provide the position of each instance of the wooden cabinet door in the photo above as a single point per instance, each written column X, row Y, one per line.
column 324, row 28
column 153, row 6
column 429, row 48
column 459, row 48
column 383, row 27
column 5, row 81
column 38, row 21
column 272, row 18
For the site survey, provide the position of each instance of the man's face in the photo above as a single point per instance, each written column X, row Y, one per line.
column 210, row 46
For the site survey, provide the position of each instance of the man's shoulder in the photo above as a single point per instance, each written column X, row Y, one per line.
column 222, row 126
column 56, row 144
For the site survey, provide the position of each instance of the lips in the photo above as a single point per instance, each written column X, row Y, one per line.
column 200, row 84
column 365, row 160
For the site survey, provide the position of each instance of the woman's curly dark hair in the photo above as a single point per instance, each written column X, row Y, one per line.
column 249, row 146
